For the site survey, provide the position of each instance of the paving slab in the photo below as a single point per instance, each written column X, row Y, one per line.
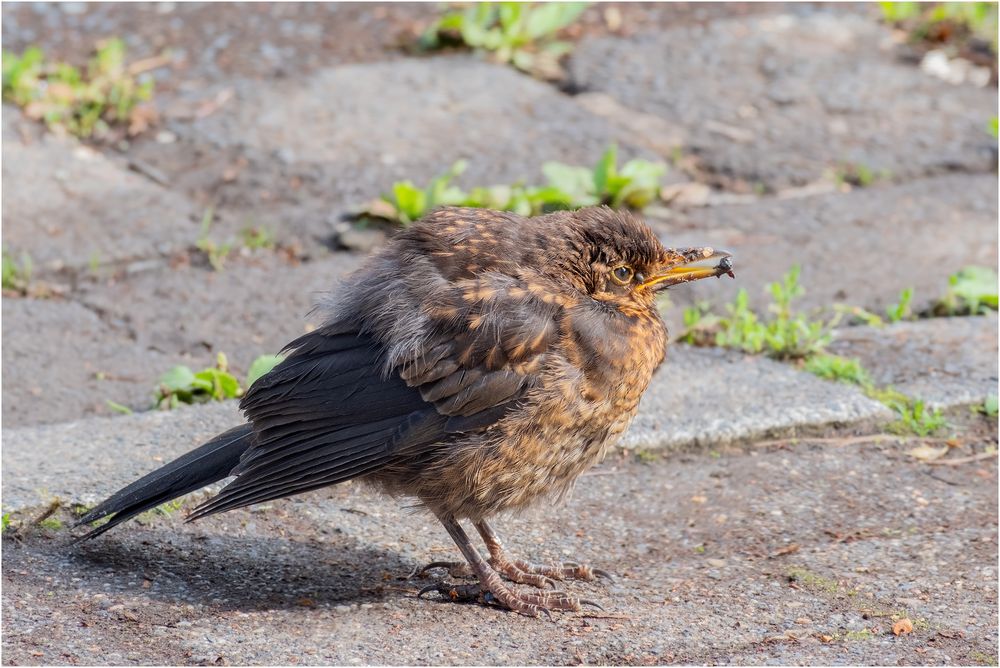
column 947, row 362
column 778, row 101
column 717, row 402
column 62, row 362
column 705, row 397
column 343, row 135
column 71, row 207
column 135, row 327
column 860, row 248
column 787, row 555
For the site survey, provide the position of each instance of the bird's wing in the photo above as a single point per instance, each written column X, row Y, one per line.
column 329, row 412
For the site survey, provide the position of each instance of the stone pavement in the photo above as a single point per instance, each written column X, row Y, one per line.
column 288, row 119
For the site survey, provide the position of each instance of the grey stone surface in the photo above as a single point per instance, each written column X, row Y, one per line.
column 744, row 558
column 780, row 100
column 80, row 461
column 53, row 353
column 342, row 136
column 135, row 328
column 946, row 362
column 69, row 206
column 721, row 400
column 861, row 248
column 708, row 396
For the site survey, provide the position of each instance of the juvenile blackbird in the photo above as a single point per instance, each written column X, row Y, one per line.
column 479, row 362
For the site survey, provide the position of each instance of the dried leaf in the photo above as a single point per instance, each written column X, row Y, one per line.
column 788, row 549
column 902, row 627
column 926, row 453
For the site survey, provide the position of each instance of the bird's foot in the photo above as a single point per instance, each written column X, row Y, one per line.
column 513, row 571
column 565, row 571
column 492, row 590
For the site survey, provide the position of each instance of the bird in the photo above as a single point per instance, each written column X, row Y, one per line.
column 478, row 363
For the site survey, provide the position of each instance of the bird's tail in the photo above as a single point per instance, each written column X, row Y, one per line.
column 209, row 463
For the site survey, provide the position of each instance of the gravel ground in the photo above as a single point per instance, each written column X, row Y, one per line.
column 792, row 554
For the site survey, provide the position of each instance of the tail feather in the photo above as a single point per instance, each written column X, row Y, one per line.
column 202, row 466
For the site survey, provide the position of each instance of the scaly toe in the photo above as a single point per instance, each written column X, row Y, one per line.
column 456, row 569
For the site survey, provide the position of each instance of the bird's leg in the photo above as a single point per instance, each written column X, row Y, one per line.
column 522, row 571
column 491, row 587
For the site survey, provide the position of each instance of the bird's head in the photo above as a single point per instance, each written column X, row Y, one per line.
column 616, row 259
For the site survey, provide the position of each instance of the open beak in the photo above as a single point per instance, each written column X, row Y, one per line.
column 691, row 264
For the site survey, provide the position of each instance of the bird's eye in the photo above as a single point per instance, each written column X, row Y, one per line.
column 622, row 275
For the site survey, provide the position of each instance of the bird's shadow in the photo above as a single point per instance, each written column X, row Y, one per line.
column 242, row 572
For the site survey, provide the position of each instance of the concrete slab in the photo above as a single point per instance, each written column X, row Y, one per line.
column 860, row 248
column 62, row 362
column 947, row 362
column 135, row 328
column 705, row 397
column 777, row 101
column 343, row 136
column 70, row 207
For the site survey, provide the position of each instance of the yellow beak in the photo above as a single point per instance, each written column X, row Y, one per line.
column 691, row 264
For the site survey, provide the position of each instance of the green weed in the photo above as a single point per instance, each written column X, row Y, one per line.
column 993, row 128
column 971, row 291
column 916, row 418
column 163, row 510
column 944, row 21
column 858, row 175
column 901, row 310
column 519, row 33
column 52, row 524
column 812, row 581
column 118, row 408
column 645, row 456
column 257, row 238
column 217, row 253
column 181, row 385
column 787, row 334
column 4, row 522
column 16, row 274
column 982, row 658
column 635, row 185
column 988, row 407
column 85, row 103
column 841, row 369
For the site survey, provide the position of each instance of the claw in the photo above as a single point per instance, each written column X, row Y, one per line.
column 602, row 574
column 428, row 589
column 587, row 601
column 436, row 564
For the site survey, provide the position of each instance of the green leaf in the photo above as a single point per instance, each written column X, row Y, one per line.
column 179, row 378
column 261, row 367
column 439, row 193
column 976, row 286
column 411, row 202
column 605, row 170
column 522, row 60
column 217, row 383
column 577, row 182
column 550, row 17
column 474, row 31
column 118, row 408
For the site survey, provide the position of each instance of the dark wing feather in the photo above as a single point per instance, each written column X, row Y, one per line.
column 328, row 412
column 323, row 415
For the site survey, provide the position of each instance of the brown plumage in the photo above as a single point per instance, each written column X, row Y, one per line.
column 479, row 362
